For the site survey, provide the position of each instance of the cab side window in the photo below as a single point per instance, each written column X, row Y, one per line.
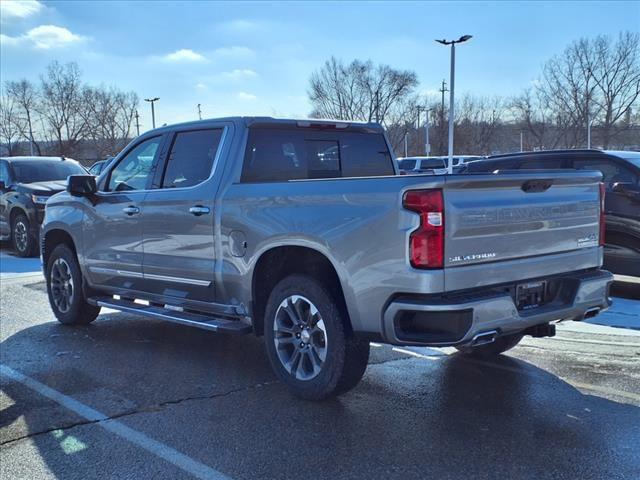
column 134, row 170
column 191, row 159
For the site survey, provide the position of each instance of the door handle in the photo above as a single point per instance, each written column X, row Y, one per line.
column 131, row 210
column 198, row 210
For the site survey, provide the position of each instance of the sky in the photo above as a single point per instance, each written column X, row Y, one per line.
column 255, row 58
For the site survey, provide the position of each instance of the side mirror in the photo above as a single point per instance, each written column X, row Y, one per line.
column 81, row 185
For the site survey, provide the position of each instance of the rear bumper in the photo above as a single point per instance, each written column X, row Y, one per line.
column 457, row 320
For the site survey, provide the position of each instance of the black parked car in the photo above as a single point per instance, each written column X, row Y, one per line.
column 26, row 183
column 621, row 176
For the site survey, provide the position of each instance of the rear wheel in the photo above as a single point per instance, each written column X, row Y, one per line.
column 308, row 343
column 64, row 287
column 24, row 243
column 499, row 345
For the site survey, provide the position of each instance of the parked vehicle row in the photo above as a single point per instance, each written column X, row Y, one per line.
column 431, row 165
column 264, row 226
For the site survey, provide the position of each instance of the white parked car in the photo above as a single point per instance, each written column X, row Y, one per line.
column 431, row 165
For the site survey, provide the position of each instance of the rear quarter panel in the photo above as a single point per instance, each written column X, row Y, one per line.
column 358, row 224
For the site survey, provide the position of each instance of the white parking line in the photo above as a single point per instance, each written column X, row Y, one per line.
column 419, row 355
column 180, row 460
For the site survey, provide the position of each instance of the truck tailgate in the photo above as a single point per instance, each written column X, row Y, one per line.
column 508, row 216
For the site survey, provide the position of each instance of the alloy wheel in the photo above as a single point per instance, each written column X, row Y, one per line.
column 62, row 288
column 21, row 235
column 300, row 337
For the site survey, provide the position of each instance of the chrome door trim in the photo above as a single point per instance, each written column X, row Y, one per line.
column 150, row 276
column 114, row 271
column 190, row 281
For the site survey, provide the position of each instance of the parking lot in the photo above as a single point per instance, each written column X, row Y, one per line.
column 128, row 397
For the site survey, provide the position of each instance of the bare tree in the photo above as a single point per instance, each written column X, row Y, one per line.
column 477, row 124
column 359, row 91
column 11, row 124
column 26, row 97
column 616, row 74
column 64, row 116
column 593, row 81
column 109, row 115
column 535, row 119
column 62, row 105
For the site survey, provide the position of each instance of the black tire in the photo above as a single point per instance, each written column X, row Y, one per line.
column 76, row 310
column 345, row 355
column 24, row 243
column 498, row 346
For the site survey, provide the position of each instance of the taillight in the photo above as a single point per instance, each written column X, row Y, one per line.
column 426, row 243
column 602, row 216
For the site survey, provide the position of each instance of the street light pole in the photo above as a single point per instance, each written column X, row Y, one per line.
column 463, row 38
column 521, row 141
column 427, row 145
column 153, row 112
column 588, row 127
column 199, row 112
column 452, row 79
column 137, row 123
column 406, row 144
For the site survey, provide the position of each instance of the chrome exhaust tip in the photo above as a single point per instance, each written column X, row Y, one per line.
column 484, row 338
column 591, row 312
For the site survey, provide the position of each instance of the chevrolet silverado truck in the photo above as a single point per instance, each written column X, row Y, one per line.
column 303, row 232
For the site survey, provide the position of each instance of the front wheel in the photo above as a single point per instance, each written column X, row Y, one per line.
column 64, row 287
column 24, row 243
column 308, row 343
column 499, row 345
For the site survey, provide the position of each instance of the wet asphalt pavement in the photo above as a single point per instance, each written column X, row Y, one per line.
column 175, row 403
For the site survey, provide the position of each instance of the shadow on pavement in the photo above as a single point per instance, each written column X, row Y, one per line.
column 214, row 398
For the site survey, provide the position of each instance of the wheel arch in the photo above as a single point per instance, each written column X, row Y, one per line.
column 15, row 211
column 53, row 238
column 278, row 262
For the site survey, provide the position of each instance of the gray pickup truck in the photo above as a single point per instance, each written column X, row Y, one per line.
column 302, row 231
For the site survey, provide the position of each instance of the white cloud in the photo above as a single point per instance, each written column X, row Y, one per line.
column 6, row 40
column 234, row 51
column 44, row 37
column 201, row 86
column 240, row 73
column 239, row 25
column 185, row 55
column 19, row 9
column 246, row 96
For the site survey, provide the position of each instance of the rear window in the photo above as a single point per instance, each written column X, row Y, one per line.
column 276, row 155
